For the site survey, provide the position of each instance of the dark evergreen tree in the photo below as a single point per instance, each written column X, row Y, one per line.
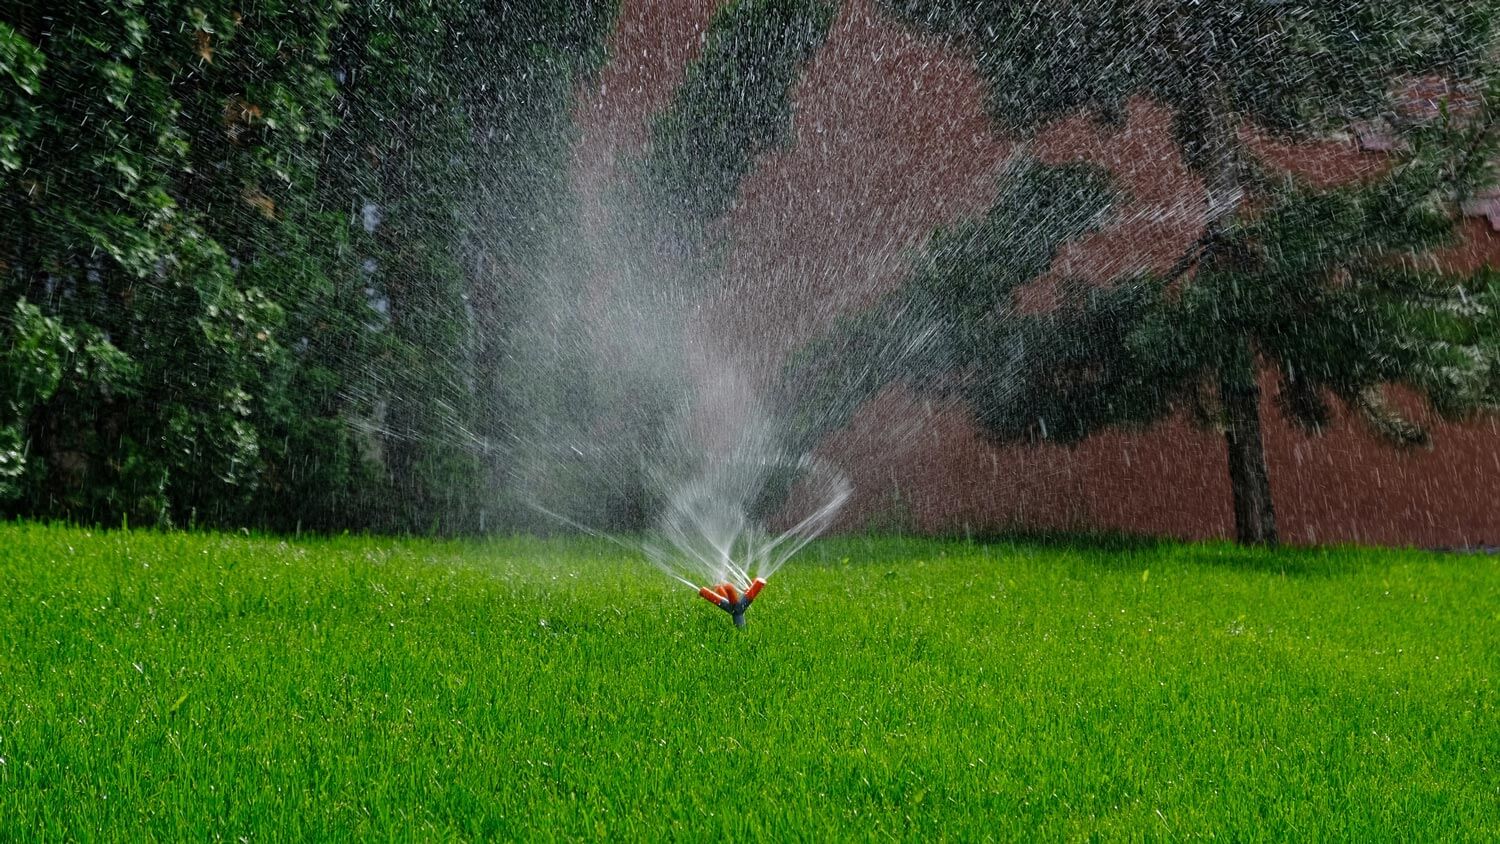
column 1332, row 289
column 1297, row 69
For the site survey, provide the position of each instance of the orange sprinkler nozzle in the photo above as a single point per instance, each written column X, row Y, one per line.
column 731, row 600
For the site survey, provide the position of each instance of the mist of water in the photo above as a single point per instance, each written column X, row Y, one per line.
column 680, row 424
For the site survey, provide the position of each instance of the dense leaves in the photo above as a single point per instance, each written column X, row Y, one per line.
column 106, row 236
column 236, row 245
column 1332, row 291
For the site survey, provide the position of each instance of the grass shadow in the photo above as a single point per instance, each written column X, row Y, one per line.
column 1116, row 551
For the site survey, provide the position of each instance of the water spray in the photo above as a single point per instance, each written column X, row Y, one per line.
column 731, row 600
column 707, row 533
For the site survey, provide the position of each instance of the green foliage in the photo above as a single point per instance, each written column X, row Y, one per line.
column 103, row 236
column 359, row 688
column 184, row 183
column 40, row 356
column 21, row 65
column 401, row 129
column 454, row 132
column 1326, row 286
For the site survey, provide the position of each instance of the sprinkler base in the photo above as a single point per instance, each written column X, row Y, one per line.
column 731, row 600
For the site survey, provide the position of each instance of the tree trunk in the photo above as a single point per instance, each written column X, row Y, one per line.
column 1207, row 130
column 1249, row 479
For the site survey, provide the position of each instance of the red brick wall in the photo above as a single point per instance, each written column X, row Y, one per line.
column 891, row 140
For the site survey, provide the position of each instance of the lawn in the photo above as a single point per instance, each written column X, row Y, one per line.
column 196, row 687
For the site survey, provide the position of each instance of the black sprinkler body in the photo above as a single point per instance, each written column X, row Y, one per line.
column 731, row 600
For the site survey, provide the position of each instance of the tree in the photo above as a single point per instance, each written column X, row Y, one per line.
column 157, row 337
column 450, row 148
column 1325, row 286
column 1295, row 69
column 240, row 252
column 256, row 124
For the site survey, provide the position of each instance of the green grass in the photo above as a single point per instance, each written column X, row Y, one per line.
column 188, row 687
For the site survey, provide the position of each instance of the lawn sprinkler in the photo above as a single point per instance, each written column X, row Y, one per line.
column 731, row 600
